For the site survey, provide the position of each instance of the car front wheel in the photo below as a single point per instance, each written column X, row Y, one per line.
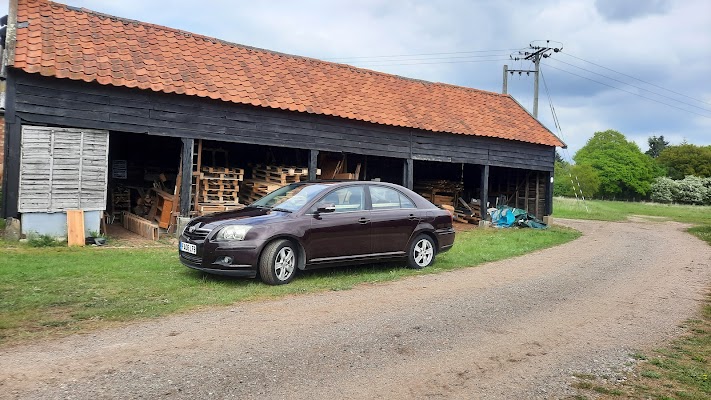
column 421, row 253
column 277, row 265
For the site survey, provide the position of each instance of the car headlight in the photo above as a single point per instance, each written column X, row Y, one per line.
column 233, row 232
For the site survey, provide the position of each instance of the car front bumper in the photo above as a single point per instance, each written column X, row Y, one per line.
column 238, row 259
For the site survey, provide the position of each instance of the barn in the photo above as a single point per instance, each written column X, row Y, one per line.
column 129, row 120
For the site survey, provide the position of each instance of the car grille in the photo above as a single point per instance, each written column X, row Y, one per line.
column 191, row 258
column 198, row 235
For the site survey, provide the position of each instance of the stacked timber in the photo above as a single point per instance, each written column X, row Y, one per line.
column 219, row 189
column 439, row 192
column 268, row 178
column 279, row 174
column 253, row 189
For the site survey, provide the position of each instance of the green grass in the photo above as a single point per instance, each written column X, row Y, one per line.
column 620, row 210
column 57, row 290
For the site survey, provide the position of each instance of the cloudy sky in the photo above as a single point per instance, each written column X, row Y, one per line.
column 642, row 67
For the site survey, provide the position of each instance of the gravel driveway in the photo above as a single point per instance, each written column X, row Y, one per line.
column 518, row 328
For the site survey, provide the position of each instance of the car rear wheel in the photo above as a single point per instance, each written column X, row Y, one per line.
column 277, row 265
column 421, row 253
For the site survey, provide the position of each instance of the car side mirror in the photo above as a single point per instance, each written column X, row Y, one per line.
column 325, row 208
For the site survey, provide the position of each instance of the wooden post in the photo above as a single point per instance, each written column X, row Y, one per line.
column 525, row 199
column 549, row 193
column 538, row 193
column 484, row 193
column 407, row 172
column 196, row 174
column 13, row 143
column 187, row 166
column 313, row 164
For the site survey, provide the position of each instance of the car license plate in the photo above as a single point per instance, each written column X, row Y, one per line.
column 188, row 248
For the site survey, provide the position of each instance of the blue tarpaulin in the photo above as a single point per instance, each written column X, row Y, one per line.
column 506, row 217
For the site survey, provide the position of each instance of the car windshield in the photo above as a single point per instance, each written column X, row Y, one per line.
column 291, row 197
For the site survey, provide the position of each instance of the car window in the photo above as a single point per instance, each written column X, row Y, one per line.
column 291, row 197
column 345, row 199
column 384, row 198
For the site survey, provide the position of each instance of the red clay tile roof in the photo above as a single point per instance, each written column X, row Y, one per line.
column 78, row 44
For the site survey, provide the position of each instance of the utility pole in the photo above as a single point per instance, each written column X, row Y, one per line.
column 535, row 55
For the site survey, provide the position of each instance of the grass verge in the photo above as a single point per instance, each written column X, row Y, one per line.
column 57, row 291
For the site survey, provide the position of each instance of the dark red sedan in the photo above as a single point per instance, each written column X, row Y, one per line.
column 318, row 224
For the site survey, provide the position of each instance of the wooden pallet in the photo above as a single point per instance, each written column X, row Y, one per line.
column 221, row 177
column 280, row 169
column 273, row 177
column 222, row 170
column 253, row 189
column 209, row 208
column 219, row 198
column 248, row 198
column 219, row 185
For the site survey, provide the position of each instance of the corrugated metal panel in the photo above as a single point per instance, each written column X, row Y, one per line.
column 63, row 168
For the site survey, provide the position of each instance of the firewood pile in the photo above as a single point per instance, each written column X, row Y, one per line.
column 440, row 192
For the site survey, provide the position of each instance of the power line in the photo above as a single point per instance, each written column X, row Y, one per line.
column 634, row 86
column 637, row 79
column 627, row 91
column 576, row 188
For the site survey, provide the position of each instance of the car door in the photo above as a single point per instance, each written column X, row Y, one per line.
column 394, row 218
column 343, row 233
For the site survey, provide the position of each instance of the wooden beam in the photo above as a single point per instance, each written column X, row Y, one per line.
column 407, row 174
column 525, row 198
column 13, row 143
column 538, row 194
column 549, row 193
column 484, row 192
column 313, row 164
column 187, row 170
column 196, row 174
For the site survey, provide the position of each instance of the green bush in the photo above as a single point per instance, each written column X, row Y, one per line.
column 663, row 190
column 37, row 240
column 690, row 190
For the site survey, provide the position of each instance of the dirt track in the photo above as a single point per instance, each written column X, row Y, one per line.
column 513, row 329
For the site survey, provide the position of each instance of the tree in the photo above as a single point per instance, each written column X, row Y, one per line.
column 623, row 169
column 656, row 145
column 584, row 178
column 686, row 159
column 559, row 158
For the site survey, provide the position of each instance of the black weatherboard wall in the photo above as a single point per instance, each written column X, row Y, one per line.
column 61, row 102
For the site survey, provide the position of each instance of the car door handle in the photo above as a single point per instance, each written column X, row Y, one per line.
column 363, row 221
column 412, row 217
